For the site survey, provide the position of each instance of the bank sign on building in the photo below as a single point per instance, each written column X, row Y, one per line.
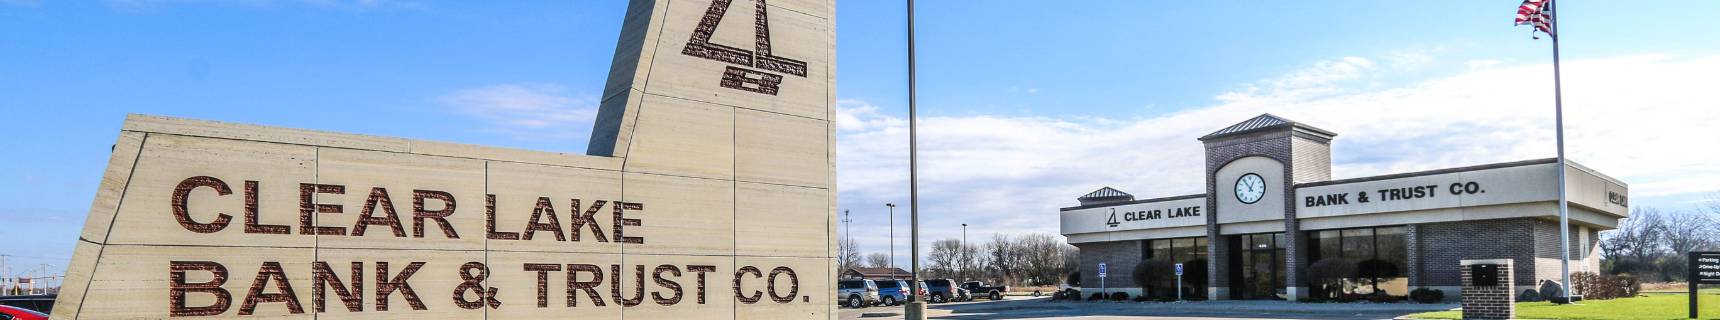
column 707, row 193
column 1271, row 210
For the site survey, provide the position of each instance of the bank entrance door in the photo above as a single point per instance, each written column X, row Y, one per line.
column 1261, row 267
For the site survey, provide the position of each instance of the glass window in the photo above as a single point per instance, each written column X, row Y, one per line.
column 887, row 284
column 1326, row 245
column 1161, row 249
column 1381, row 256
column 1262, row 241
column 1200, row 248
column 1358, row 244
column 1182, row 250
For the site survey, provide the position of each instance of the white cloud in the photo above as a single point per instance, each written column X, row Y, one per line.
column 528, row 111
column 1647, row 120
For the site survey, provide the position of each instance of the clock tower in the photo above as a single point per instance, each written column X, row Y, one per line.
column 1251, row 168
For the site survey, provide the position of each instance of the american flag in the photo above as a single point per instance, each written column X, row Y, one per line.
column 1536, row 13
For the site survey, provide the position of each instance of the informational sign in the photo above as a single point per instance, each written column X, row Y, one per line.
column 1704, row 269
column 1101, row 270
column 709, row 191
column 1179, row 269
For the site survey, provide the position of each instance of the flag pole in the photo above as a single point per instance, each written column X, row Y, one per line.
column 1559, row 122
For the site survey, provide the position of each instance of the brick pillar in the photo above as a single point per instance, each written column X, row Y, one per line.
column 1488, row 302
column 1412, row 246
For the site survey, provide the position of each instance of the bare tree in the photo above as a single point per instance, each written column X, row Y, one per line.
column 847, row 254
column 944, row 260
column 1637, row 238
column 1686, row 232
column 1041, row 259
column 878, row 260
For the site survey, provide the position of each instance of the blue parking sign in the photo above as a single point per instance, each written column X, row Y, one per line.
column 1101, row 270
column 1179, row 269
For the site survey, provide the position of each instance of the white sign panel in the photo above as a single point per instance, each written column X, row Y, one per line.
column 1151, row 215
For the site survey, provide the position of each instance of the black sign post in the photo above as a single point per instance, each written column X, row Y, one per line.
column 1704, row 269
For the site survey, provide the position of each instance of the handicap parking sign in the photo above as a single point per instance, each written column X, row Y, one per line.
column 1101, row 270
column 1179, row 269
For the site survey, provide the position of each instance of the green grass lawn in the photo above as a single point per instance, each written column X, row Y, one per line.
column 1698, row 291
column 1655, row 307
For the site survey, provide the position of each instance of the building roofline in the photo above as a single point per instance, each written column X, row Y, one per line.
column 1433, row 172
column 1110, row 204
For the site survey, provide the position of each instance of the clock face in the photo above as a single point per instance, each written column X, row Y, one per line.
column 1249, row 188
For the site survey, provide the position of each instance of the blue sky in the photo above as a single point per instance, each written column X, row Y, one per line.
column 1027, row 104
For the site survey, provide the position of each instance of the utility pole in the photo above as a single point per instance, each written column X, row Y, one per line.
column 964, row 252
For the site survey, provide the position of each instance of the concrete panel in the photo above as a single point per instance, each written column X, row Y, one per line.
column 136, row 282
column 535, row 208
column 519, row 273
column 251, row 132
column 801, row 288
column 430, row 291
column 683, row 138
column 1251, row 227
column 112, row 187
column 1136, row 216
column 680, row 215
column 458, row 150
column 792, row 35
column 781, row 221
column 690, row 287
column 195, row 171
column 375, row 182
column 83, row 265
column 781, row 149
column 1508, row 185
column 1269, row 207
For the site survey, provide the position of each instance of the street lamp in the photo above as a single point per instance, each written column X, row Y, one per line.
column 892, row 265
column 964, row 252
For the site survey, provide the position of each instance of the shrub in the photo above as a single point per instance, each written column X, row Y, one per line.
column 1120, row 296
column 1327, row 275
column 1384, row 298
column 1425, row 295
column 1096, row 296
column 1057, row 296
column 1605, row 287
column 1140, row 299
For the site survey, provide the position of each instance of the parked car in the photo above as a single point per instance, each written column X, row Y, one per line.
column 980, row 289
column 892, row 292
column 943, row 290
column 857, row 293
column 40, row 303
column 16, row 313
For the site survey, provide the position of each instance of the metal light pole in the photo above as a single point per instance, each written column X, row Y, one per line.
column 964, row 252
column 892, row 239
column 913, row 161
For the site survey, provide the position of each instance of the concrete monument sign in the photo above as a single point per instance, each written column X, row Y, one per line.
column 708, row 193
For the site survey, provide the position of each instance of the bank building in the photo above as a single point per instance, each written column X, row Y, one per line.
column 1271, row 210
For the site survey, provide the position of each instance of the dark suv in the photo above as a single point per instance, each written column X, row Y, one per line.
column 944, row 290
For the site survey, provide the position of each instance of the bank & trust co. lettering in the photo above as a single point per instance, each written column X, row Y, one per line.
column 1393, row 194
column 379, row 211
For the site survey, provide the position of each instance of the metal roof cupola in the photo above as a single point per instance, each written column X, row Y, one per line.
column 1105, row 195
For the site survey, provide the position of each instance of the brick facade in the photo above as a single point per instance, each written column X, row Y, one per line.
column 1489, row 302
column 1119, row 258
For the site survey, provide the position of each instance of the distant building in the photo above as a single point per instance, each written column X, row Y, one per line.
column 1271, row 209
column 876, row 273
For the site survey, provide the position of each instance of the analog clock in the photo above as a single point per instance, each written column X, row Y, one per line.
column 1249, row 188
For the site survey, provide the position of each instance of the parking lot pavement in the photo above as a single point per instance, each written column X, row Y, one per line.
column 1043, row 308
